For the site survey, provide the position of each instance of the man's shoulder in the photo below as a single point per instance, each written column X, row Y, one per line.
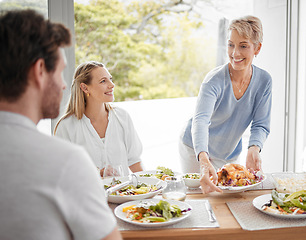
column 56, row 145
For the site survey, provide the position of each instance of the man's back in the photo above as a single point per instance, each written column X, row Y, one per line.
column 49, row 189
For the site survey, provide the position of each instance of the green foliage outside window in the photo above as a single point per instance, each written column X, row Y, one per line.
column 152, row 49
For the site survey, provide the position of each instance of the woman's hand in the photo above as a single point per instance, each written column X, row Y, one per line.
column 253, row 160
column 207, row 171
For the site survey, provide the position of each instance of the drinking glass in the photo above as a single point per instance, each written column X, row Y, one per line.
column 113, row 171
column 176, row 189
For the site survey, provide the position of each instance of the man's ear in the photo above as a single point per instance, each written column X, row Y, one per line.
column 39, row 73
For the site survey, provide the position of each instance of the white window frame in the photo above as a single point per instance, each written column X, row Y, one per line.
column 63, row 11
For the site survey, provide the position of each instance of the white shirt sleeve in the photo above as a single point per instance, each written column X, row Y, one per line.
column 62, row 131
column 81, row 197
column 132, row 140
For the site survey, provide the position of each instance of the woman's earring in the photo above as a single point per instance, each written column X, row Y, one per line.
column 87, row 94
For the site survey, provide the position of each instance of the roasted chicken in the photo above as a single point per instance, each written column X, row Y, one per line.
column 234, row 175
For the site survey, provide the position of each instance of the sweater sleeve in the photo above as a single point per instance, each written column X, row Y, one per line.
column 204, row 109
column 260, row 127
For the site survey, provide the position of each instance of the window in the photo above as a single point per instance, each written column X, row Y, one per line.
column 283, row 56
column 159, row 122
column 42, row 7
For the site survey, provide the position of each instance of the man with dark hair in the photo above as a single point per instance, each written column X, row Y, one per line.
column 50, row 189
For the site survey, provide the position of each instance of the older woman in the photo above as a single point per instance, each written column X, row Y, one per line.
column 231, row 97
column 106, row 132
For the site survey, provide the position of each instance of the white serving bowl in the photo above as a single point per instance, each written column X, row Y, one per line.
column 288, row 182
column 191, row 183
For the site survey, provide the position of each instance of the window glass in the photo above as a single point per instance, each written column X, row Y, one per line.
column 162, row 50
column 42, row 7
column 38, row 5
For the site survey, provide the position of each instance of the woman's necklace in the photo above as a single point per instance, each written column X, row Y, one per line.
column 239, row 89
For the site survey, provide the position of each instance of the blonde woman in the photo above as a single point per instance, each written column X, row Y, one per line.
column 106, row 132
column 231, row 97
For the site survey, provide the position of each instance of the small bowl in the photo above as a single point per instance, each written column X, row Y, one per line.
column 287, row 182
column 190, row 181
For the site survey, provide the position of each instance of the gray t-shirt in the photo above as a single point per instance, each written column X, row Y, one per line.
column 49, row 188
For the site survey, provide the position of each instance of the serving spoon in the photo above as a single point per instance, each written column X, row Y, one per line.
column 132, row 180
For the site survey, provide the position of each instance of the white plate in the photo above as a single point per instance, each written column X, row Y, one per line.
column 230, row 189
column 161, row 185
column 181, row 205
column 263, row 199
column 155, row 172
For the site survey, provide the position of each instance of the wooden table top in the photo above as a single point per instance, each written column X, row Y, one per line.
column 229, row 228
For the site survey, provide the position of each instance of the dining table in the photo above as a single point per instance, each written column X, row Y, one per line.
column 227, row 227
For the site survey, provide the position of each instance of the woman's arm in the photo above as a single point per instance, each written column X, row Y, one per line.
column 137, row 167
column 132, row 141
column 204, row 109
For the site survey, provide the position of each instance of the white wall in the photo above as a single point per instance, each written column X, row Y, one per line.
column 273, row 59
column 158, row 123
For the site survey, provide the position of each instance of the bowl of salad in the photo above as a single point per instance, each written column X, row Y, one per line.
column 160, row 173
column 146, row 188
column 192, row 180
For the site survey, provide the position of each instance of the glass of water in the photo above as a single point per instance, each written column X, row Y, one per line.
column 113, row 171
column 176, row 189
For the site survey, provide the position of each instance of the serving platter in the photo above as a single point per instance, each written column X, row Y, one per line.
column 182, row 205
column 259, row 201
column 161, row 185
column 231, row 189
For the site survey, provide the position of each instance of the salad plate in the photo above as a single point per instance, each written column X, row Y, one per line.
column 123, row 215
column 232, row 189
column 160, row 185
column 260, row 201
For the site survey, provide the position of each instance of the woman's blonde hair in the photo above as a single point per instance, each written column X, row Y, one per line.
column 249, row 27
column 77, row 101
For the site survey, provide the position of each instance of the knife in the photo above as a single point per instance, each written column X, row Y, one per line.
column 211, row 214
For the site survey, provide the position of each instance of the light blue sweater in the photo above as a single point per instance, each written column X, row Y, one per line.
column 220, row 119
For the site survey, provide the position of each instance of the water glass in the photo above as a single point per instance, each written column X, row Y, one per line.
column 113, row 171
column 176, row 189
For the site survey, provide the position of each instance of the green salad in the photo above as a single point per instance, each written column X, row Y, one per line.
column 161, row 212
column 294, row 203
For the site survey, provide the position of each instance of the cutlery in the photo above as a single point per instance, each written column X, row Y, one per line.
column 132, row 180
column 211, row 215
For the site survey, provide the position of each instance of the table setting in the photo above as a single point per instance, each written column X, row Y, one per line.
column 206, row 211
column 171, row 189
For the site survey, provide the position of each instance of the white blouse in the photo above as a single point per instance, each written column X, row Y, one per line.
column 121, row 144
